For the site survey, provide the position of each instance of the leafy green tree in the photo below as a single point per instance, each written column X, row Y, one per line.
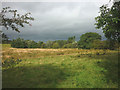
column 39, row 44
column 31, row 44
column 87, row 39
column 19, row 43
column 49, row 44
column 109, row 21
column 61, row 42
column 71, row 39
column 75, row 44
column 43, row 45
column 15, row 20
column 56, row 45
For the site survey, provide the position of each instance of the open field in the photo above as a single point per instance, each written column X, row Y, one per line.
column 59, row 68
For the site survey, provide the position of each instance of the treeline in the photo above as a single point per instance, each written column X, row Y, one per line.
column 88, row 40
column 21, row 43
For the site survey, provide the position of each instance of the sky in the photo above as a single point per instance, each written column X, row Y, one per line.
column 56, row 20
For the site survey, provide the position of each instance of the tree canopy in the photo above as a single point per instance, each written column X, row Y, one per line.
column 109, row 21
column 10, row 18
column 87, row 39
column 71, row 39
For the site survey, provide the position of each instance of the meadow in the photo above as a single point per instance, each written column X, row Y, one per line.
column 59, row 68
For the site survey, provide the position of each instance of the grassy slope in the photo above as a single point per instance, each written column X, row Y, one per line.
column 61, row 69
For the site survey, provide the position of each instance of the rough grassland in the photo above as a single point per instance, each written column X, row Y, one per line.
column 60, row 68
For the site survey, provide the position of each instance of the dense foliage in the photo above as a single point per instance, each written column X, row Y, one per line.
column 109, row 21
column 97, row 44
column 21, row 43
column 87, row 39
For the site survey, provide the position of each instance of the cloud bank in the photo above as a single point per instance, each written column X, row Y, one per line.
column 56, row 20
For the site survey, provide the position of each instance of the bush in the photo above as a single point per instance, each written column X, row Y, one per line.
column 97, row 44
column 70, row 45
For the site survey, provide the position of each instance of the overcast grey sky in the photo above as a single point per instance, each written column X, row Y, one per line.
column 56, row 20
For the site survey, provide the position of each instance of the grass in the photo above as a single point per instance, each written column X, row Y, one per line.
column 5, row 46
column 60, row 68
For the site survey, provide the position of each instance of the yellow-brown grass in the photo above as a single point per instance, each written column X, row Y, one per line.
column 23, row 53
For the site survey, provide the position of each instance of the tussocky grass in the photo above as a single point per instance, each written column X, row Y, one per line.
column 61, row 68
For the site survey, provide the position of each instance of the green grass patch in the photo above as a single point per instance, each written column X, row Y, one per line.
column 6, row 45
column 60, row 70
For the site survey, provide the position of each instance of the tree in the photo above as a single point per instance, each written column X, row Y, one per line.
column 109, row 21
column 39, row 44
column 43, row 45
column 61, row 42
column 15, row 20
column 75, row 44
column 97, row 44
column 87, row 39
column 31, row 44
column 19, row 43
column 49, row 44
column 56, row 45
column 71, row 39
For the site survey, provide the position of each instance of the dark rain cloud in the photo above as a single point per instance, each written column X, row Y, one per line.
column 55, row 21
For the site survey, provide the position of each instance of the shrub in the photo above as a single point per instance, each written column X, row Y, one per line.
column 97, row 44
column 69, row 45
